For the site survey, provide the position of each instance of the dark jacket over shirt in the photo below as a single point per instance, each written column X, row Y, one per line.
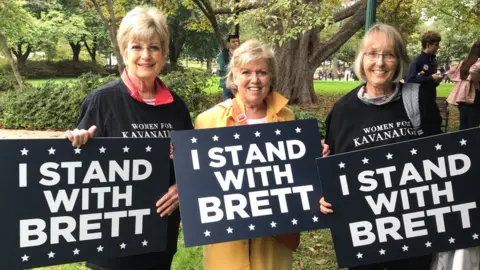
column 428, row 64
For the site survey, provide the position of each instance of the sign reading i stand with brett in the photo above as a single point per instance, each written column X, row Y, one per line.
column 248, row 181
column 404, row 200
column 61, row 204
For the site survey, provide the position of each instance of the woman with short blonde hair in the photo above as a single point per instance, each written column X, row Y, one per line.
column 252, row 77
column 379, row 102
column 139, row 96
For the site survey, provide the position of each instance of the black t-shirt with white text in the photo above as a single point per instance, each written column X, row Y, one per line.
column 353, row 125
column 117, row 114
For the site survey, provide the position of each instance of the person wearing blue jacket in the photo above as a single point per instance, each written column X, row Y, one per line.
column 423, row 69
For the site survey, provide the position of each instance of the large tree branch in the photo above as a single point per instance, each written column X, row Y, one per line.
column 323, row 51
column 207, row 10
column 233, row 10
column 347, row 12
column 99, row 11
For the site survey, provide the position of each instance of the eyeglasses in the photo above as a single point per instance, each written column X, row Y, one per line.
column 373, row 56
column 154, row 49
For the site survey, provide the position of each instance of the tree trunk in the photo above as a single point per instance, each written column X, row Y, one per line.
column 76, row 47
column 335, row 69
column 295, row 77
column 20, row 55
column 92, row 51
column 6, row 51
column 209, row 65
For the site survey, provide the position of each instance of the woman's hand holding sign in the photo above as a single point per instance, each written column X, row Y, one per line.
column 79, row 137
column 169, row 202
column 325, row 207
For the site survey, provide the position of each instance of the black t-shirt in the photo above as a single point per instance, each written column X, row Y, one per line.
column 353, row 125
column 117, row 114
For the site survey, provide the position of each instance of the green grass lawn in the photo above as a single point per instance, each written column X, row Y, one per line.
column 38, row 82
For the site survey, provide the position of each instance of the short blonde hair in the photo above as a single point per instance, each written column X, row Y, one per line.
column 395, row 41
column 143, row 24
column 252, row 50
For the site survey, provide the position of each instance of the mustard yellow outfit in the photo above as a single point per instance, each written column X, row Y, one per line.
column 265, row 253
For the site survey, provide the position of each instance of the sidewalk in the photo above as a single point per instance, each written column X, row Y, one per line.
column 20, row 133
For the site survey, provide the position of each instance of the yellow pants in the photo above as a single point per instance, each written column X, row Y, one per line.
column 256, row 254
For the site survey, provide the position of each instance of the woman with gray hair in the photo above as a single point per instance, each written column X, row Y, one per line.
column 139, row 98
column 381, row 101
column 252, row 77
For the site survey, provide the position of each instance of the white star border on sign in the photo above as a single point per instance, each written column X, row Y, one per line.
column 365, row 160
column 207, row 233
column 341, row 165
column 144, row 243
column 359, row 255
column 51, row 151
column 438, row 147
column 215, row 138
column 257, row 134
column 24, row 152
column 278, row 132
column 389, row 156
column 298, row 130
column 78, row 151
column 25, row 258
column 428, row 244
column 229, row 230
column 273, row 224
column 193, row 139
column 413, row 151
column 382, row 251
column 125, row 149
column 405, row 248
column 51, row 255
column 148, row 148
column 102, row 150
column 315, row 219
column 475, row 236
column 451, row 240
column 251, row 227
column 123, row 246
column 236, row 136
column 294, row 221
column 100, row 248
column 463, row 142
column 76, row 251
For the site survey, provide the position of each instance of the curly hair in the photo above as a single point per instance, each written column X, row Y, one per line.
column 430, row 37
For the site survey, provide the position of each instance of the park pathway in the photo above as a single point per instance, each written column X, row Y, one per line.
column 20, row 133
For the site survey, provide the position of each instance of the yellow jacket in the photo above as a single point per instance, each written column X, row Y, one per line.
column 263, row 253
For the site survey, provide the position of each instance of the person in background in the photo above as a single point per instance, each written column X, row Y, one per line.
column 223, row 61
column 252, row 76
column 138, row 97
column 423, row 69
column 381, row 63
column 465, row 94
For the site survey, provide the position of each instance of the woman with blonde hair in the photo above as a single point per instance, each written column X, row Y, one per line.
column 381, row 63
column 252, row 77
column 138, row 97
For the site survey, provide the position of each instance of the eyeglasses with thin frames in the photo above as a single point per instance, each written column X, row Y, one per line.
column 373, row 56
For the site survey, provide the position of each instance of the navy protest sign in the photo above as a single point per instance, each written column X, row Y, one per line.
column 62, row 204
column 247, row 181
column 404, row 200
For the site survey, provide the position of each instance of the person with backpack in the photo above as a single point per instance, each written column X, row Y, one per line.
column 381, row 111
column 465, row 94
column 223, row 61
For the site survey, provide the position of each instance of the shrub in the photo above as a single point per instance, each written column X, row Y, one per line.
column 189, row 85
column 61, row 69
column 52, row 105
column 7, row 80
column 299, row 115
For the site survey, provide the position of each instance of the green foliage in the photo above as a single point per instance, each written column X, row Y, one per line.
column 305, row 114
column 61, row 69
column 190, row 84
column 7, row 80
column 49, row 106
